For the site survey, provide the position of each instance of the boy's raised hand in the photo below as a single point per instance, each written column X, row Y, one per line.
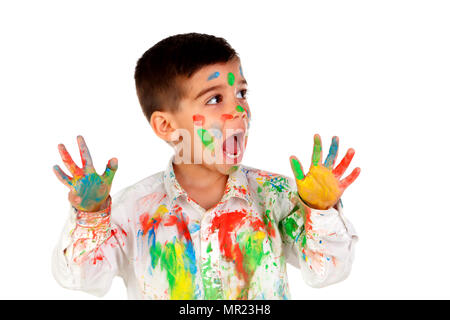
column 88, row 190
column 321, row 188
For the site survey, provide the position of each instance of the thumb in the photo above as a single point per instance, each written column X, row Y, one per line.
column 297, row 168
column 111, row 169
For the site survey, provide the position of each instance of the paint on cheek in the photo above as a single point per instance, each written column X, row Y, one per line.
column 198, row 119
column 226, row 116
column 214, row 75
column 239, row 109
column 216, row 131
column 230, row 78
column 206, row 138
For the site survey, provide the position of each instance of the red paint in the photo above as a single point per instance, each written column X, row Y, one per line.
column 198, row 119
column 227, row 224
column 67, row 159
column 149, row 223
column 226, row 116
column 181, row 226
column 350, row 179
column 345, row 162
column 240, row 189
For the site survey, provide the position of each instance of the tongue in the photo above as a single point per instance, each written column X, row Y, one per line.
column 231, row 145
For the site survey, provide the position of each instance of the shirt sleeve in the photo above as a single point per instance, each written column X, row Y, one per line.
column 92, row 249
column 319, row 242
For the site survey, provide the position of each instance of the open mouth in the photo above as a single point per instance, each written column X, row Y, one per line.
column 232, row 146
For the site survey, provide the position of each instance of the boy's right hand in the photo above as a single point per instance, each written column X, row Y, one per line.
column 88, row 190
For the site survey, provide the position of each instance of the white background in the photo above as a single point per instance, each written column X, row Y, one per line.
column 375, row 73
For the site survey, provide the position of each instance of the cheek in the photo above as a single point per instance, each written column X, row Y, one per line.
column 198, row 119
column 226, row 116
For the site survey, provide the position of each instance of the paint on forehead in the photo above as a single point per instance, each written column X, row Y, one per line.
column 198, row 119
column 226, row 116
column 240, row 71
column 213, row 75
column 230, row 78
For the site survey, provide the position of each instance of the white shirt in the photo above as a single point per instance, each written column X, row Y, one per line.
column 165, row 246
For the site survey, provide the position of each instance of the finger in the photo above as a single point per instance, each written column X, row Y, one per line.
column 332, row 154
column 111, row 169
column 68, row 162
column 84, row 153
column 296, row 168
column 317, row 151
column 64, row 178
column 345, row 162
column 350, row 178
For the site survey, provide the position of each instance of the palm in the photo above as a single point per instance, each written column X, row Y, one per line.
column 321, row 188
column 88, row 190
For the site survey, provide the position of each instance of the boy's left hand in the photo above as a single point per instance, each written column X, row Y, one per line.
column 321, row 187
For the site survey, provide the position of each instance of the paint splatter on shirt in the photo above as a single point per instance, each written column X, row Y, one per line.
column 165, row 246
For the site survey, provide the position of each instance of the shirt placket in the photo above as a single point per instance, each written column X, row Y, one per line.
column 210, row 259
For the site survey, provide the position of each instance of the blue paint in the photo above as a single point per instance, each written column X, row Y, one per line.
column 194, row 227
column 332, row 154
column 213, row 75
column 189, row 258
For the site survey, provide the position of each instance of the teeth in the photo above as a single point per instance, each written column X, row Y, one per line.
column 238, row 145
column 233, row 156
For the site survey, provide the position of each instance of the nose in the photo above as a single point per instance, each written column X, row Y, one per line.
column 237, row 112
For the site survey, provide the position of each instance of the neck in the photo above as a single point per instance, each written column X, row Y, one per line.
column 197, row 176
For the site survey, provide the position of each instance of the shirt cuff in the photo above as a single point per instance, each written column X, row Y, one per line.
column 96, row 219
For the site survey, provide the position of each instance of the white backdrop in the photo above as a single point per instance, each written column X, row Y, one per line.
column 375, row 73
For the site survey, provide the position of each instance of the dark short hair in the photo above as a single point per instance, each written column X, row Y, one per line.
column 160, row 71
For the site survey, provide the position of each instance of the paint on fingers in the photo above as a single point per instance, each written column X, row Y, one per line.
column 297, row 168
column 331, row 158
column 317, row 152
column 345, row 162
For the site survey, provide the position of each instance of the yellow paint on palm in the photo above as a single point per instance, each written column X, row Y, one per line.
column 320, row 188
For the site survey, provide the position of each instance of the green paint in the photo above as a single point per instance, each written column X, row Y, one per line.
column 230, row 78
column 239, row 109
column 290, row 227
column 209, row 249
column 211, row 286
column 297, row 169
column 233, row 169
column 207, row 138
column 317, row 150
column 252, row 250
column 155, row 253
column 170, row 264
column 259, row 189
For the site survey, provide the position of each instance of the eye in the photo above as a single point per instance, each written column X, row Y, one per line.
column 243, row 94
column 218, row 98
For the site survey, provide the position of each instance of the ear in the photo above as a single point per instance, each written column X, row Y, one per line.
column 163, row 125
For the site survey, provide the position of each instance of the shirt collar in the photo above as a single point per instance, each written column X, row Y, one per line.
column 237, row 184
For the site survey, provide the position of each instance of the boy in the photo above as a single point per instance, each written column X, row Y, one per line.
column 207, row 227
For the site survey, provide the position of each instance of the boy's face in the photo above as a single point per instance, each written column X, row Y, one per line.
column 215, row 114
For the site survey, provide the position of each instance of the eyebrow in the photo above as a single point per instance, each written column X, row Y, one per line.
column 206, row 90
